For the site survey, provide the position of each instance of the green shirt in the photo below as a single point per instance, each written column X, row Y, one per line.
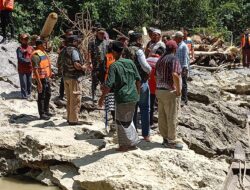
column 122, row 78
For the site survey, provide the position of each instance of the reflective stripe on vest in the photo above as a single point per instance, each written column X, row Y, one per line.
column 110, row 61
column 243, row 40
column 8, row 5
column 44, row 69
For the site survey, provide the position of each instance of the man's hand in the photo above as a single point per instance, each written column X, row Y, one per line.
column 101, row 101
column 178, row 93
column 78, row 66
column 39, row 88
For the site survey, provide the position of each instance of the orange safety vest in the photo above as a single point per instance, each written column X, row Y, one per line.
column 7, row 5
column 243, row 40
column 110, row 60
column 44, row 68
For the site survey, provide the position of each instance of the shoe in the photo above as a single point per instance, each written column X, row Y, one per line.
column 147, row 138
column 44, row 117
column 3, row 41
column 50, row 114
column 74, row 123
column 165, row 141
column 173, row 145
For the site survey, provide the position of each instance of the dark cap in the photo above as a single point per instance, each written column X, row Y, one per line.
column 135, row 36
column 39, row 42
column 101, row 30
column 122, row 37
column 171, row 45
column 117, row 46
column 72, row 38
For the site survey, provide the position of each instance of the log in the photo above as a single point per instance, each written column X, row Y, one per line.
column 49, row 25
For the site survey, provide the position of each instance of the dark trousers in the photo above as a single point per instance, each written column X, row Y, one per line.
column 184, row 96
column 152, row 108
column 61, row 90
column 7, row 20
column 25, row 84
column 246, row 57
column 94, row 84
column 44, row 97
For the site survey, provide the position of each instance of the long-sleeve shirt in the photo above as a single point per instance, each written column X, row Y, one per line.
column 21, row 57
column 183, row 55
column 143, row 61
column 24, row 59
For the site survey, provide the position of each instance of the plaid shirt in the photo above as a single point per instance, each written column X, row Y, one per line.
column 165, row 67
column 183, row 55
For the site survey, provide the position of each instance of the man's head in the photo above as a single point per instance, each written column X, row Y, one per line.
column 123, row 39
column 150, row 32
column 156, row 35
column 24, row 39
column 178, row 37
column 100, row 34
column 160, row 51
column 117, row 49
column 68, row 32
column 171, row 46
column 40, row 44
column 185, row 33
column 72, row 40
column 247, row 31
column 136, row 38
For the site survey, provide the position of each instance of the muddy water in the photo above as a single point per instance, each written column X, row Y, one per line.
column 22, row 184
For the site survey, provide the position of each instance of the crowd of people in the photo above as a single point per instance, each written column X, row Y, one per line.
column 131, row 78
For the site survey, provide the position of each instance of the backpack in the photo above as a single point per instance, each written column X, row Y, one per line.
column 131, row 54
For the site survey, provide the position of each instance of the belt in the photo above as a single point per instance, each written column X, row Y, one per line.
column 162, row 89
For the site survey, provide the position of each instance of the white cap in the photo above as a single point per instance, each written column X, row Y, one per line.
column 131, row 32
column 157, row 31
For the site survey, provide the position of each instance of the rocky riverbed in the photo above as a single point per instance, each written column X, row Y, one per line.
column 84, row 157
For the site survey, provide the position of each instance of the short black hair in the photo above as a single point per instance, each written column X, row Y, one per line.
column 117, row 46
column 39, row 42
column 160, row 51
column 135, row 36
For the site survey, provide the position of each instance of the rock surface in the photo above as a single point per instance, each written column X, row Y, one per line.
column 84, row 157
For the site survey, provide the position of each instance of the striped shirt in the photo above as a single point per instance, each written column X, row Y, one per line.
column 182, row 54
column 165, row 67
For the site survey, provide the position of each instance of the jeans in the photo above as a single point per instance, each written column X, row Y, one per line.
column 25, row 84
column 61, row 90
column 44, row 97
column 6, row 20
column 184, row 75
column 152, row 108
column 144, row 105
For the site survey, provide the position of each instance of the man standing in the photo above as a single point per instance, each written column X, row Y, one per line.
column 73, row 71
column 42, row 73
column 97, row 49
column 68, row 33
column 168, row 83
column 124, row 79
column 136, row 54
column 245, row 45
column 155, row 42
column 183, row 56
column 6, row 9
column 24, row 66
column 190, row 44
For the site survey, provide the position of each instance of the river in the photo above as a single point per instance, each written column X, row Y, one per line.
column 20, row 183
